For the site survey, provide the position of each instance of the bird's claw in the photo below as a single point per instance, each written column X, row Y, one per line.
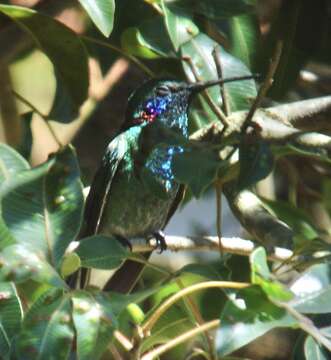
column 161, row 244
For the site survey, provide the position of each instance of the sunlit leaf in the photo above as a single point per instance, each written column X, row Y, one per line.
column 94, row 323
column 19, row 263
column 11, row 313
column 179, row 24
column 102, row 13
column 313, row 290
column 314, row 351
column 42, row 207
column 262, row 276
column 247, row 317
column 62, row 46
column 47, row 328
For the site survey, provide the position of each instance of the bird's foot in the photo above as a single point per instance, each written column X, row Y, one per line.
column 161, row 244
column 124, row 241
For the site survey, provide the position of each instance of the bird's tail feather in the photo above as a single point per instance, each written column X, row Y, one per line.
column 126, row 277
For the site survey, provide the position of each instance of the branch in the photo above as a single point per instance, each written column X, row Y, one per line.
column 255, row 218
column 231, row 245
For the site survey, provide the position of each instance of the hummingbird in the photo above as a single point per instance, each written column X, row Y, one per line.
column 121, row 203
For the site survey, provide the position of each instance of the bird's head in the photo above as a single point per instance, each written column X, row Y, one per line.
column 166, row 101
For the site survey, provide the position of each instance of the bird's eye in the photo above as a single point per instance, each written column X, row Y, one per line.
column 162, row 90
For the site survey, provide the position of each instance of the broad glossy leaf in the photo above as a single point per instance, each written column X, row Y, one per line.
column 215, row 8
column 19, row 263
column 42, row 207
column 313, row 290
column 239, row 93
column 101, row 252
column 62, row 46
column 256, row 162
column 11, row 311
column 179, row 24
column 4, row 343
column 261, row 275
column 47, row 331
column 196, row 168
column 11, row 163
column 102, row 13
column 296, row 218
column 244, row 38
column 153, row 35
column 315, row 351
column 248, row 317
column 94, row 322
column 134, row 44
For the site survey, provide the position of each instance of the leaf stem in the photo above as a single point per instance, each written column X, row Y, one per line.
column 180, row 339
column 43, row 116
column 133, row 59
column 147, row 326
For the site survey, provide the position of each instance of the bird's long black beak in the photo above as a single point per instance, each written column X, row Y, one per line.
column 199, row 86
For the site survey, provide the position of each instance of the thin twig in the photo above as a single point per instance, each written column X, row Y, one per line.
column 180, row 339
column 265, row 85
column 219, row 69
column 133, row 59
column 217, row 111
column 218, row 188
column 150, row 322
column 123, row 340
column 43, row 116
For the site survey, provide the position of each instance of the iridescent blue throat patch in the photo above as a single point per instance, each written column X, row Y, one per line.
column 155, row 107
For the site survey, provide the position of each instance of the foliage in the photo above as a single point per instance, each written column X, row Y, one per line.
column 42, row 206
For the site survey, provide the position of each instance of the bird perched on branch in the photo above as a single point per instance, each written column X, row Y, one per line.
column 134, row 192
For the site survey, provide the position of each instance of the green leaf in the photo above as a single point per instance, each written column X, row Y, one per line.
column 62, row 46
column 71, row 263
column 94, row 322
column 134, row 44
column 296, row 218
column 179, row 25
column 261, row 275
column 239, row 93
column 314, row 351
column 47, row 331
column 101, row 252
column 256, row 161
column 313, row 290
column 214, row 9
column 153, row 35
column 11, row 163
column 11, row 311
column 196, row 168
column 101, row 13
column 19, row 263
column 244, row 36
column 4, row 343
column 43, row 206
column 248, row 317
